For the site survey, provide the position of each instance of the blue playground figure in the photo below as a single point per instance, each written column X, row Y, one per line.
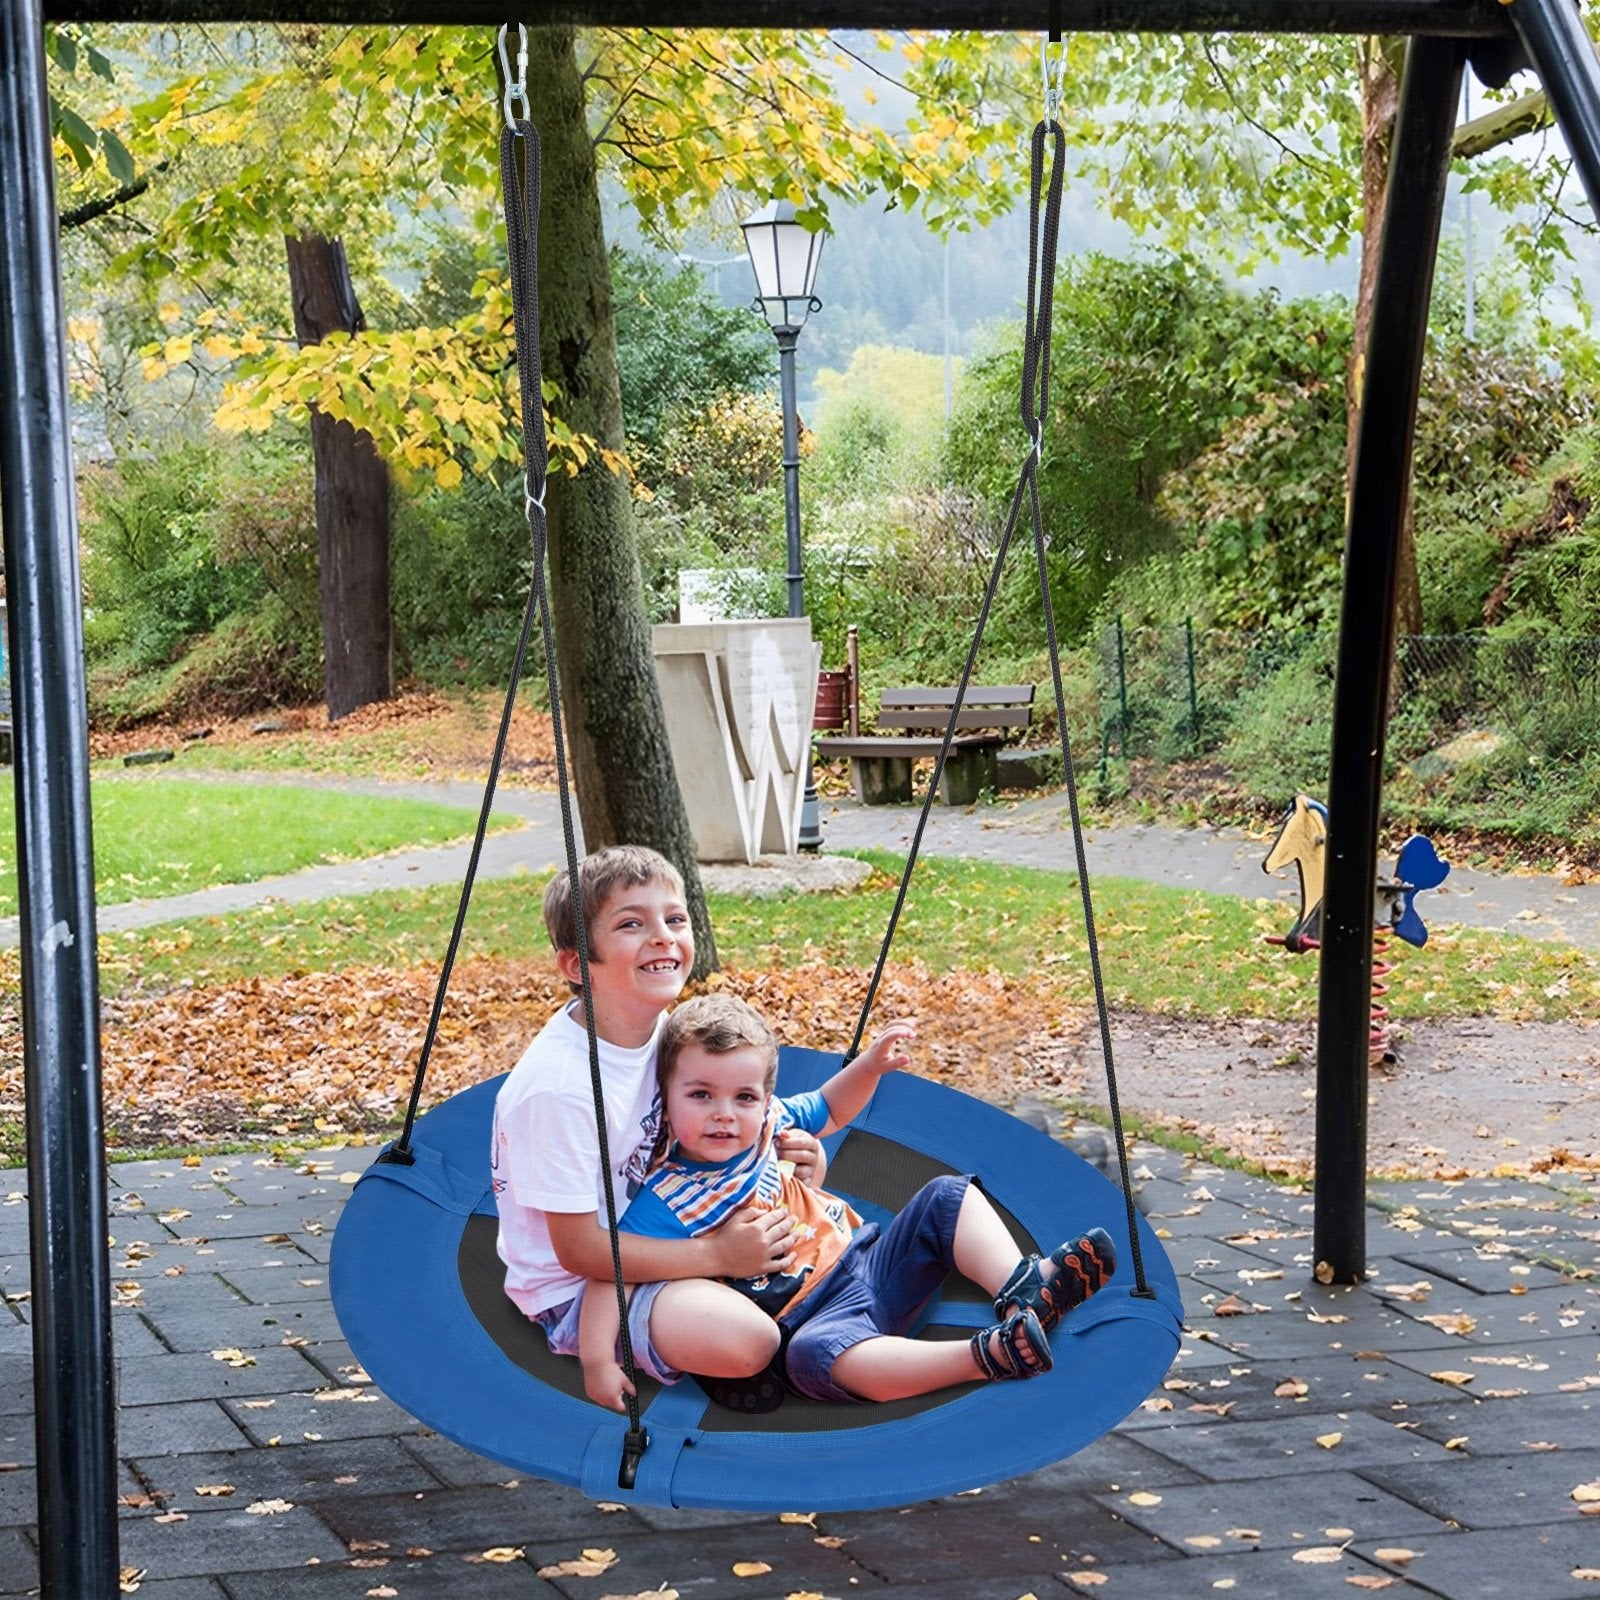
column 1302, row 839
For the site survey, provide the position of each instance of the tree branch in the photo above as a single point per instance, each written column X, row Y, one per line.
column 1526, row 114
column 80, row 216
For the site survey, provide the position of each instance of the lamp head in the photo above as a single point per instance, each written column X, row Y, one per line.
column 784, row 254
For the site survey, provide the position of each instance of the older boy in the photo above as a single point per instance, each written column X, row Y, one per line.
column 545, row 1154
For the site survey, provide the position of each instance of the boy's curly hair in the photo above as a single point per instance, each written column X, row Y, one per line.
column 601, row 875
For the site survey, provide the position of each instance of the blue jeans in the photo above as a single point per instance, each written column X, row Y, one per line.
column 876, row 1289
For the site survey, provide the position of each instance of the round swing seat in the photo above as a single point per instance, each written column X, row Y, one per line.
column 419, row 1293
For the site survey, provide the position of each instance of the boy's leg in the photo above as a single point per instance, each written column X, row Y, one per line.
column 707, row 1328
column 891, row 1368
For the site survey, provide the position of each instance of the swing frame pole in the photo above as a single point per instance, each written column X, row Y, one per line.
column 73, row 1371
column 1379, row 492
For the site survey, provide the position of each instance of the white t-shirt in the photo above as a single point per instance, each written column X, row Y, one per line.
column 545, row 1154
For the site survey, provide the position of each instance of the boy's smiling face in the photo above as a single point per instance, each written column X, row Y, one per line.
column 641, row 948
column 716, row 1101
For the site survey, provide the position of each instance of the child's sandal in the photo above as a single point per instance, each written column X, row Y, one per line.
column 1012, row 1361
column 1082, row 1267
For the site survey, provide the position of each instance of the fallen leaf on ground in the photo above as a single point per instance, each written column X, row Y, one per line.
column 1395, row 1555
column 1319, row 1554
column 1456, row 1443
column 217, row 1489
column 1452, row 1377
column 1292, row 1389
column 1329, row 1440
column 750, row 1569
column 588, row 1565
column 804, row 1519
column 269, row 1508
column 1144, row 1498
column 1368, row 1580
column 1587, row 1493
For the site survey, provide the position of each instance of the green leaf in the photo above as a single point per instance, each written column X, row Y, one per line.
column 118, row 161
column 75, row 133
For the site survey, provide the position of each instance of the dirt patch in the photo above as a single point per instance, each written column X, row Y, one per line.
column 1466, row 1096
column 421, row 733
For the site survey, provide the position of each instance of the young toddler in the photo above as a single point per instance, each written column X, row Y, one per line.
column 850, row 1293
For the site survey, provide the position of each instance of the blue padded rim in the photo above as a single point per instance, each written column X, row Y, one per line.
column 398, row 1297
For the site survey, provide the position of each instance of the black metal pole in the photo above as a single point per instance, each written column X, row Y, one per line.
column 788, row 337
column 1378, row 493
column 1479, row 19
column 1555, row 38
column 74, row 1398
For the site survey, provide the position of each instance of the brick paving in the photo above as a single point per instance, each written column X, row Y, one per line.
column 1301, row 1447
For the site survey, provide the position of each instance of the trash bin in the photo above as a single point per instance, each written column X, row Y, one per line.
column 833, row 701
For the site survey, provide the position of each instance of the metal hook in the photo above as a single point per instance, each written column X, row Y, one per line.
column 1054, row 90
column 516, row 86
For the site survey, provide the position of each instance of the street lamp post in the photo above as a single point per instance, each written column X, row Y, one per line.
column 784, row 255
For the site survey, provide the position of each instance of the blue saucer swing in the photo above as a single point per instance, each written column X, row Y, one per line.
column 419, row 1289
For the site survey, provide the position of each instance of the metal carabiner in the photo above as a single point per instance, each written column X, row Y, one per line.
column 516, row 86
column 1053, row 90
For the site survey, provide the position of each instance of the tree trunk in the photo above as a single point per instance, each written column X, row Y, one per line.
column 352, row 499
column 626, row 785
column 1382, row 60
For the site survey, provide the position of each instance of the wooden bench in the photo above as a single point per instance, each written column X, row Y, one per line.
column 880, row 765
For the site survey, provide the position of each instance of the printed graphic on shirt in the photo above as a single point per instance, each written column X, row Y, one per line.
column 635, row 1167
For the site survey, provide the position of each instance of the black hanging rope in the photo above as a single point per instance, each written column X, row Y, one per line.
column 1043, row 235
column 520, row 180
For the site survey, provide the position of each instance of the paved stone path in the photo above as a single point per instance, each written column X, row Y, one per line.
column 1299, row 1445
column 1309, row 1442
column 1031, row 833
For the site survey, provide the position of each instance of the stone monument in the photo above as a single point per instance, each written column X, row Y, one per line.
column 738, row 698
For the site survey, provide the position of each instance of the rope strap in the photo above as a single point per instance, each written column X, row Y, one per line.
column 1043, row 234
column 520, row 181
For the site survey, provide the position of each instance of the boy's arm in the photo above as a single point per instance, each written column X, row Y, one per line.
column 749, row 1243
column 603, row 1378
column 850, row 1088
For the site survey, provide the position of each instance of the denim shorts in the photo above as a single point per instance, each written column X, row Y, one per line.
column 881, row 1283
column 560, row 1324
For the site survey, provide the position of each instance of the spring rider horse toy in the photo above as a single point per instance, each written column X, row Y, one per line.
column 1302, row 839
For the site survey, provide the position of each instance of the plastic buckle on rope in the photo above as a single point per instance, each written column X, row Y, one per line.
column 397, row 1155
column 633, row 1449
column 516, row 86
column 532, row 502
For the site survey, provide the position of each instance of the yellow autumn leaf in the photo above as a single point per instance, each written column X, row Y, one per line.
column 155, row 368
column 1452, row 1377
column 1368, row 1580
column 1456, row 1443
column 1319, row 1555
column 803, row 1519
column 750, row 1569
column 1144, row 1498
column 1395, row 1555
column 1587, row 1494
column 169, row 312
column 1329, row 1440
column 448, row 473
column 1087, row 1580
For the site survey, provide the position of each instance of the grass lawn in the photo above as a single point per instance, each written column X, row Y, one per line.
column 1166, row 950
column 157, row 836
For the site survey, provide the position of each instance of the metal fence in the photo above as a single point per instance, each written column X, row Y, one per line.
column 1174, row 694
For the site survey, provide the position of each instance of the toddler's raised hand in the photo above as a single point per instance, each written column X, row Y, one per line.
column 888, row 1052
